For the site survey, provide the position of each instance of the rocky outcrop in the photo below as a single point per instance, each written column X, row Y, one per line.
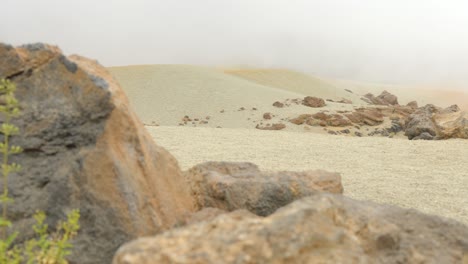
column 322, row 228
column 421, row 122
column 230, row 186
column 84, row 148
column 451, row 124
column 366, row 116
column 412, row 104
column 385, row 98
column 315, row 102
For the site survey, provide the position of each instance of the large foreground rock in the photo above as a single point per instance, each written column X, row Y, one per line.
column 240, row 185
column 85, row 148
column 323, row 228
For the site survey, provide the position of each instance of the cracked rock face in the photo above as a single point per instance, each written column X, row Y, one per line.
column 322, row 228
column 84, row 148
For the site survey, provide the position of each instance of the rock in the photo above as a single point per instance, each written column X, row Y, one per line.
column 450, row 109
column 323, row 228
column 421, row 121
column 366, row 116
column 313, row 101
column 300, row 119
column 388, row 98
column 424, row 136
column 267, row 116
column 334, row 120
column 278, row 104
column 271, row 127
column 349, row 91
column 84, row 148
column 451, row 124
column 385, row 98
column 413, row 104
column 230, row 186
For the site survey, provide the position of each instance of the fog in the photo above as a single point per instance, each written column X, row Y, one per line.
column 394, row 41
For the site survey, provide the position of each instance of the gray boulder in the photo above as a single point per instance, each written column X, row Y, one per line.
column 230, row 186
column 84, row 148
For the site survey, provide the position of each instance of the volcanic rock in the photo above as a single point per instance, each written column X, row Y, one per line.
column 313, row 101
column 421, row 121
column 385, row 98
column 278, row 104
column 84, row 148
column 267, row 116
column 275, row 126
column 230, row 186
column 451, row 124
column 322, row 228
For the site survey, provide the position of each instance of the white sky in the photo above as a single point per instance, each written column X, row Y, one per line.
column 378, row 40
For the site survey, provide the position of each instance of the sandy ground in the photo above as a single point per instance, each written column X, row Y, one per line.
column 431, row 176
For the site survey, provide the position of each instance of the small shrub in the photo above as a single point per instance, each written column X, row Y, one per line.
column 46, row 248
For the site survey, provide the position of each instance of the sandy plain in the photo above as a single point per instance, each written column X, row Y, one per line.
column 430, row 176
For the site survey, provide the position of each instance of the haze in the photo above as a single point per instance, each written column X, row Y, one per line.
column 398, row 41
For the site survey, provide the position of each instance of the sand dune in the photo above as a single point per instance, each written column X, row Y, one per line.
column 166, row 93
column 430, row 176
column 295, row 82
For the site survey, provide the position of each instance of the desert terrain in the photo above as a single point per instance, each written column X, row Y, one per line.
column 203, row 114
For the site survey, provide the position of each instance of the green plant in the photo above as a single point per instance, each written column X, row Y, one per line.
column 47, row 248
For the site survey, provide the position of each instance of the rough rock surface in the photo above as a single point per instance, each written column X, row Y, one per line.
column 385, row 98
column 84, row 148
column 322, row 228
column 451, row 124
column 413, row 104
column 421, row 122
column 313, row 101
column 366, row 116
column 230, row 186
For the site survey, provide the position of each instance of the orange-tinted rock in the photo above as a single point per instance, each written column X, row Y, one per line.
column 271, row 127
column 278, row 104
column 313, row 101
column 240, row 185
column 267, row 116
column 85, row 148
column 322, row 228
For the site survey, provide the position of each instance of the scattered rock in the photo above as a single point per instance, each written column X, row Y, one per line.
column 267, row 116
column 322, row 228
column 254, row 109
column 349, row 91
column 271, row 127
column 235, row 185
column 222, row 111
column 424, row 136
column 313, row 101
column 301, row 119
column 278, row 104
